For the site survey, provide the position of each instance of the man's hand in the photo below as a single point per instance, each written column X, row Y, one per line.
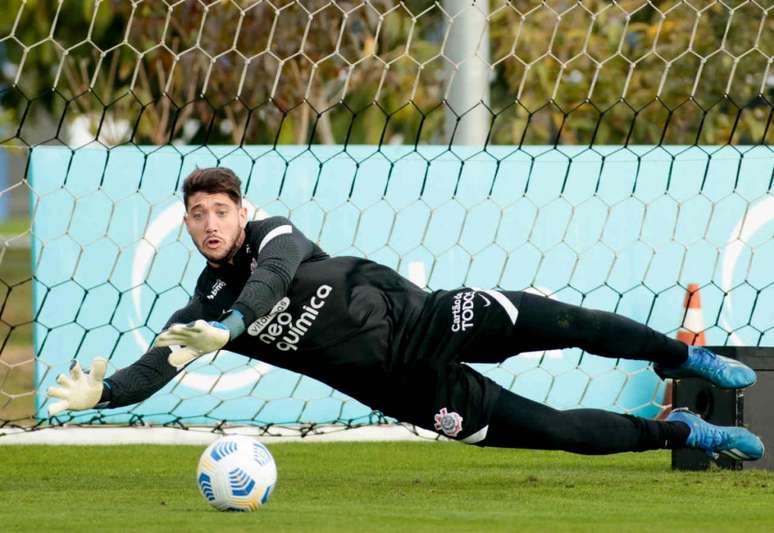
column 80, row 390
column 196, row 339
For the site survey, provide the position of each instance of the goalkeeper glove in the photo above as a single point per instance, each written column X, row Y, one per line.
column 196, row 338
column 200, row 337
column 81, row 390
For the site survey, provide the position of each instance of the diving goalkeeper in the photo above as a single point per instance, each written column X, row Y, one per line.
column 270, row 293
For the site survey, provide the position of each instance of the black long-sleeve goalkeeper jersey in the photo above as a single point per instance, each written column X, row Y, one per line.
column 342, row 320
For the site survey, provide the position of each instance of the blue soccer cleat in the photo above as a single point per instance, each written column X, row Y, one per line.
column 735, row 442
column 720, row 371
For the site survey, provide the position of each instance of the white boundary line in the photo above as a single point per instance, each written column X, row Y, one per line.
column 204, row 435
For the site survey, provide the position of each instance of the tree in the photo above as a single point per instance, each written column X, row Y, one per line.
column 349, row 71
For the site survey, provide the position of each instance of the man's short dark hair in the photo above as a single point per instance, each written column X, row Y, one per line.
column 212, row 181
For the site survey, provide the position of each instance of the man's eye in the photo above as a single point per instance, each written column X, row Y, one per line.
column 222, row 213
column 197, row 216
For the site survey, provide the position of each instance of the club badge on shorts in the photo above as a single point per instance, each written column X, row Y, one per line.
column 449, row 423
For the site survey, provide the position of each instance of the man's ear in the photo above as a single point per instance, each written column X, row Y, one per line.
column 243, row 216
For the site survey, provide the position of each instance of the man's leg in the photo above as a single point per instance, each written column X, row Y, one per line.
column 545, row 324
column 518, row 422
column 487, row 326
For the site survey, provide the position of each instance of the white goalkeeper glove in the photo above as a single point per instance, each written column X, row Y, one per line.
column 80, row 390
column 195, row 339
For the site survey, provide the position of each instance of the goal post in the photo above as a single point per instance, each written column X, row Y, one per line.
column 625, row 155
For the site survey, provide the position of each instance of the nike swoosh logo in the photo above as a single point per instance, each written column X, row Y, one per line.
column 499, row 297
column 485, row 299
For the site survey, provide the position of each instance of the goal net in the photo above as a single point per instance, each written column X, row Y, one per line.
column 603, row 154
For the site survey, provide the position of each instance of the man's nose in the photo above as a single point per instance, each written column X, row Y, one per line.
column 210, row 222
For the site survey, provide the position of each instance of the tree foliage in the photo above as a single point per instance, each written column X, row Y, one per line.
column 355, row 71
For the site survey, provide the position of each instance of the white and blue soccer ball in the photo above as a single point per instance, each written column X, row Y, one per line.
column 236, row 473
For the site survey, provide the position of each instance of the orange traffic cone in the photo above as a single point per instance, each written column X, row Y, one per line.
column 691, row 333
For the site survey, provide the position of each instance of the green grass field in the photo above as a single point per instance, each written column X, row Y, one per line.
column 380, row 486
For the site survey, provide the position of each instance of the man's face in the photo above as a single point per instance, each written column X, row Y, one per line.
column 216, row 225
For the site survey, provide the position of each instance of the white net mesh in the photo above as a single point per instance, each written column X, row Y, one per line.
column 605, row 154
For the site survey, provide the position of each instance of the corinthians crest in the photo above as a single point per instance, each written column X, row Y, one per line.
column 449, row 423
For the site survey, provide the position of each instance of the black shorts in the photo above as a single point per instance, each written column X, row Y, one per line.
column 438, row 390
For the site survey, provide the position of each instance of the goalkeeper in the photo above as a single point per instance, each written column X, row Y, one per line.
column 270, row 293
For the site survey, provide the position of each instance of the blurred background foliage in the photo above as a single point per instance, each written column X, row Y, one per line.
column 355, row 72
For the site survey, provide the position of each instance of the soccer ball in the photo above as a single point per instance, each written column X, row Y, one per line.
column 236, row 473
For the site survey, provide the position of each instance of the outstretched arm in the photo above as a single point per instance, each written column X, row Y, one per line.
column 138, row 381
column 132, row 384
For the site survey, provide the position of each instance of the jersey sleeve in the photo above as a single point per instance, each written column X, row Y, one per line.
column 281, row 247
column 150, row 372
